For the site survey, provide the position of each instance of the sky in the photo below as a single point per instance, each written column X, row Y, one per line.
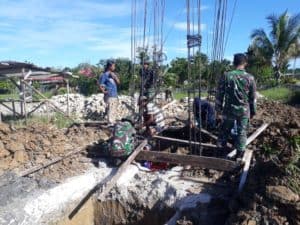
column 64, row 33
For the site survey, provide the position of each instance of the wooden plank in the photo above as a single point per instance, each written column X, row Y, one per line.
column 184, row 141
column 209, row 134
column 251, row 138
column 193, row 160
column 106, row 187
column 247, row 159
column 36, row 108
column 213, row 136
column 91, row 122
column 122, row 169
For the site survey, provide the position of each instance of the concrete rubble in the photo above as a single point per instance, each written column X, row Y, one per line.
column 93, row 107
column 147, row 191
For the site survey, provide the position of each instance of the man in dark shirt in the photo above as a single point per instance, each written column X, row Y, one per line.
column 148, row 80
column 204, row 113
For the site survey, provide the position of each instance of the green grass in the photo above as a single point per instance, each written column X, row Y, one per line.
column 15, row 96
column 181, row 95
column 9, row 96
column 282, row 94
column 56, row 119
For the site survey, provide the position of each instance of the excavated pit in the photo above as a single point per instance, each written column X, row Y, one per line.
column 114, row 213
column 149, row 199
column 142, row 197
column 109, row 212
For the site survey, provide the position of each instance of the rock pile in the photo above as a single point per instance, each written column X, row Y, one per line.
column 93, row 107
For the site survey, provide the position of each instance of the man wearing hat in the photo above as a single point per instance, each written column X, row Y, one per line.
column 108, row 82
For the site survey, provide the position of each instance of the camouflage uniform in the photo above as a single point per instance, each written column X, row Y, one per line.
column 237, row 88
column 123, row 141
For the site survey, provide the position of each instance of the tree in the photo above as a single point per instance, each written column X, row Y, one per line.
column 170, row 80
column 215, row 70
column 124, row 70
column 179, row 66
column 259, row 67
column 278, row 47
column 87, row 85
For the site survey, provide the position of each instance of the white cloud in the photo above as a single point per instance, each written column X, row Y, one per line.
column 183, row 26
column 59, row 9
column 202, row 8
column 41, row 27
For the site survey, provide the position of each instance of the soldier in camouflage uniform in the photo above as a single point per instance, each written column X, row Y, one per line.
column 123, row 139
column 237, row 90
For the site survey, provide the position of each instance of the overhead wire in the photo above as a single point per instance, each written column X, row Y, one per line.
column 230, row 23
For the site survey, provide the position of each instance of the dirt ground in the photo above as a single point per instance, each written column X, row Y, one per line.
column 271, row 194
column 38, row 144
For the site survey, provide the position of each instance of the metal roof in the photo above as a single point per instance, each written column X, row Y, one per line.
column 12, row 69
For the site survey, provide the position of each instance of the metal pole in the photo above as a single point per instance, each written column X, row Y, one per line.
column 189, row 71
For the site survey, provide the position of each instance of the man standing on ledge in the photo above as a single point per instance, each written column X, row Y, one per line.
column 108, row 82
column 237, row 90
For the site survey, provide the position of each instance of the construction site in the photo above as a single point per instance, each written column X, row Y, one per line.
column 66, row 175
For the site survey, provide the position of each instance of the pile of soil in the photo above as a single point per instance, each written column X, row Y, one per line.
column 271, row 194
column 37, row 144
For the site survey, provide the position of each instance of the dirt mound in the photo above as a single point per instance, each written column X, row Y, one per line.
column 271, row 194
column 37, row 144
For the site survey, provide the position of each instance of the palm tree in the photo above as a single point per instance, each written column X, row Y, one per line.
column 282, row 44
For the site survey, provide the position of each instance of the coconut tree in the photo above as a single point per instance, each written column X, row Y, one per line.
column 282, row 43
